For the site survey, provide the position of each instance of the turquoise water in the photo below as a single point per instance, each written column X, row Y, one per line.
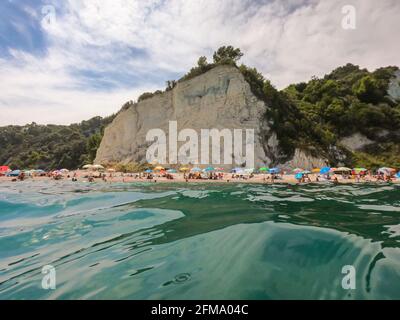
column 179, row 241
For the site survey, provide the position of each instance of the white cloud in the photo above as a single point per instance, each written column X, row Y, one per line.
column 288, row 41
column 43, row 92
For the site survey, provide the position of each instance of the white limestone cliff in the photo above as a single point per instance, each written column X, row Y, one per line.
column 219, row 98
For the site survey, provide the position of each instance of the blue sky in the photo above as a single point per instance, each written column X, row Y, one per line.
column 66, row 61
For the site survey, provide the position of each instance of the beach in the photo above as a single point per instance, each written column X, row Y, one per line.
column 119, row 177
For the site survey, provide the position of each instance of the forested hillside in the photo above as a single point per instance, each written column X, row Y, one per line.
column 51, row 146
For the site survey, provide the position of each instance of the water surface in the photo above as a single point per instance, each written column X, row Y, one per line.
column 201, row 241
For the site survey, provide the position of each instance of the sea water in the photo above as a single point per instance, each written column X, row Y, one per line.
column 199, row 241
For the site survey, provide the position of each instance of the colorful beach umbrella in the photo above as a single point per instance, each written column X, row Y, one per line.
column 249, row 170
column 263, row 169
column 209, row 169
column 4, row 168
column 359, row 170
column 342, row 169
column 325, row 170
column 274, row 170
column 14, row 173
column 219, row 169
column 298, row 176
column 386, row 170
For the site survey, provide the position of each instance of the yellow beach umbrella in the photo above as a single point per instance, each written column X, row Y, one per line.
column 316, row 170
column 159, row 168
column 183, row 169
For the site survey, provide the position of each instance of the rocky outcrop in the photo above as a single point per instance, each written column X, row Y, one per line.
column 219, row 98
column 394, row 87
column 305, row 161
column 356, row 142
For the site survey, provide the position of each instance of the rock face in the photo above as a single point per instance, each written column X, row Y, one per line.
column 305, row 161
column 356, row 142
column 394, row 87
column 219, row 98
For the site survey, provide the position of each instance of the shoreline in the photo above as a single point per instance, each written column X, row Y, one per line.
column 178, row 178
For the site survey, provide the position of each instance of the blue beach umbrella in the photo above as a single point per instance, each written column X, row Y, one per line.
column 208, row 169
column 398, row 174
column 274, row 170
column 195, row 169
column 324, row 170
column 149, row 171
column 172, row 171
column 298, row 176
column 14, row 173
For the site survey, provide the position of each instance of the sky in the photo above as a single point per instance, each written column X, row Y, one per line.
column 66, row 61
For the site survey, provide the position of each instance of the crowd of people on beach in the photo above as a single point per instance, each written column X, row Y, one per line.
column 265, row 175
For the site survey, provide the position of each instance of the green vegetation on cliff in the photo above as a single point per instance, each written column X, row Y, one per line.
column 48, row 147
column 351, row 100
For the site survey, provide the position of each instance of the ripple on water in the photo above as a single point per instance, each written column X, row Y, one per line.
column 179, row 241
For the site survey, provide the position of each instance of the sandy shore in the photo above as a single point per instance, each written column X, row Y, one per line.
column 82, row 176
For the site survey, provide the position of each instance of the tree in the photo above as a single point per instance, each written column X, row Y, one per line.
column 369, row 90
column 202, row 62
column 145, row 95
column 255, row 80
column 170, row 85
column 227, row 55
column 93, row 144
